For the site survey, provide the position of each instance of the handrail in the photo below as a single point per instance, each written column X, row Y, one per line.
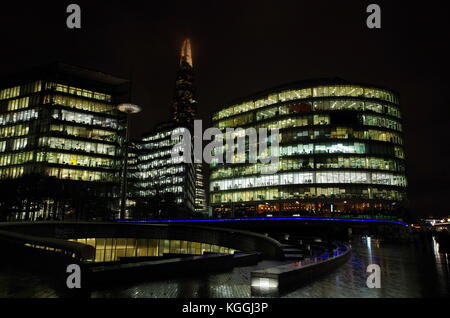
column 205, row 234
column 80, row 250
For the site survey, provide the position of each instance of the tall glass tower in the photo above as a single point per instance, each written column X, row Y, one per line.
column 184, row 106
column 184, row 112
column 158, row 177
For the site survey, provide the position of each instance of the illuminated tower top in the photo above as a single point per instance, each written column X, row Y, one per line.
column 186, row 53
column 184, row 106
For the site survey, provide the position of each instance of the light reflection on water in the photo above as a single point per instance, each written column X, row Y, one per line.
column 407, row 270
column 412, row 270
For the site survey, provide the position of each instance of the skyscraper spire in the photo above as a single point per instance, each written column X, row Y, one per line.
column 186, row 53
column 184, row 106
column 184, row 112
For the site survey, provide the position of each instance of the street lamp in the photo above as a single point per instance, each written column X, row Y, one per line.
column 128, row 109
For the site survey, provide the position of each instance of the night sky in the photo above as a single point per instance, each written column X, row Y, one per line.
column 242, row 47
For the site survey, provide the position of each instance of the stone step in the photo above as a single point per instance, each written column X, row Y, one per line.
column 291, row 249
column 293, row 256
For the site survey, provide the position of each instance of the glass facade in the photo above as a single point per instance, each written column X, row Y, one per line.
column 356, row 91
column 158, row 179
column 157, row 175
column 112, row 249
column 341, row 152
column 200, row 193
column 63, row 126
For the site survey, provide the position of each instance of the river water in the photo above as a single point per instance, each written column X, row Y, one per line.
column 407, row 270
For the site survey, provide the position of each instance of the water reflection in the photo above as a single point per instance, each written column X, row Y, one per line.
column 407, row 270
column 112, row 249
column 412, row 270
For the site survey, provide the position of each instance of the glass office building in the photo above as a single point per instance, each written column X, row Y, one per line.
column 340, row 153
column 200, row 186
column 60, row 122
column 163, row 186
column 184, row 112
column 156, row 175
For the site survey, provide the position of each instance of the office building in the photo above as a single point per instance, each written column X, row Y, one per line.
column 59, row 124
column 340, row 153
column 166, row 185
column 162, row 186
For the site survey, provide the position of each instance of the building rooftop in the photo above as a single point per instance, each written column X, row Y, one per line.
column 299, row 85
column 61, row 68
column 89, row 74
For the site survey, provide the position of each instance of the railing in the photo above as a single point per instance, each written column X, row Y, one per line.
column 237, row 239
column 72, row 249
column 267, row 218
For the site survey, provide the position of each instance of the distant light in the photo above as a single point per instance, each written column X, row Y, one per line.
column 269, row 215
column 129, row 108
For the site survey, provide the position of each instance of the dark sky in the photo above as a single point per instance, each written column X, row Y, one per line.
column 241, row 47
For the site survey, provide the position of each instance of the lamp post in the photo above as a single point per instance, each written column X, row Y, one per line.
column 128, row 109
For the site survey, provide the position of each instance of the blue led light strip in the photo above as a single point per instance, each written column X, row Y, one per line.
column 263, row 219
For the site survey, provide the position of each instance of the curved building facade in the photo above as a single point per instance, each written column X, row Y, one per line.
column 340, row 153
